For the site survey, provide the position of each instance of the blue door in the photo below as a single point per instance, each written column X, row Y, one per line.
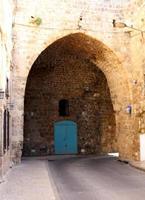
column 65, row 137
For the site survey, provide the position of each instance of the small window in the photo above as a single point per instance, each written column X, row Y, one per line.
column 5, row 131
column 63, row 107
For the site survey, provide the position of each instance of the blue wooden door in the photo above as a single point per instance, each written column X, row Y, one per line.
column 65, row 137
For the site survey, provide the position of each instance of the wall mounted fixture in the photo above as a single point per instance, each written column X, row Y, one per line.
column 79, row 22
column 123, row 25
column 129, row 109
column 36, row 20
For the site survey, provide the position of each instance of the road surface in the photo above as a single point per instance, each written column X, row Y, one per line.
column 92, row 178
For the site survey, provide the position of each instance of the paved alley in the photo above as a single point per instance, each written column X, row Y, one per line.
column 73, row 178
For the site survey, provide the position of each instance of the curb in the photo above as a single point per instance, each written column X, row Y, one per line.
column 137, row 166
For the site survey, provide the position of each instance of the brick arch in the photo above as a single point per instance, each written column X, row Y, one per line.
column 91, row 50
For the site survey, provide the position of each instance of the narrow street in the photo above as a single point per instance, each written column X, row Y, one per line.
column 73, row 178
column 91, row 178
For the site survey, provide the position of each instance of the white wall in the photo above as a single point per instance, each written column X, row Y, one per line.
column 142, row 147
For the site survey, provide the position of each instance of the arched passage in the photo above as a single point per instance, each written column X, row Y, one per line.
column 80, row 89
column 90, row 51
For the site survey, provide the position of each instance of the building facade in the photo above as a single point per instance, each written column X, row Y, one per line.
column 6, row 18
column 72, row 62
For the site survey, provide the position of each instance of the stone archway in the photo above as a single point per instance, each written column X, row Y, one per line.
column 90, row 50
column 62, row 89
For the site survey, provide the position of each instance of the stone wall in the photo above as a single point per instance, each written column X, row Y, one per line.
column 38, row 24
column 86, row 89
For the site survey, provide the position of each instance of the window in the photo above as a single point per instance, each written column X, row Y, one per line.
column 6, row 136
column 5, row 131
column 63, row 107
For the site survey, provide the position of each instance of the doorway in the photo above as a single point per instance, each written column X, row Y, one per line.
column 65, row 137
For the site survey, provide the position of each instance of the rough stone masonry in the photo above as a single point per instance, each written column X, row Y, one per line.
column 97, row 68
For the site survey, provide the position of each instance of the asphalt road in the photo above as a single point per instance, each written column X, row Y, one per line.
column 92, row 178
